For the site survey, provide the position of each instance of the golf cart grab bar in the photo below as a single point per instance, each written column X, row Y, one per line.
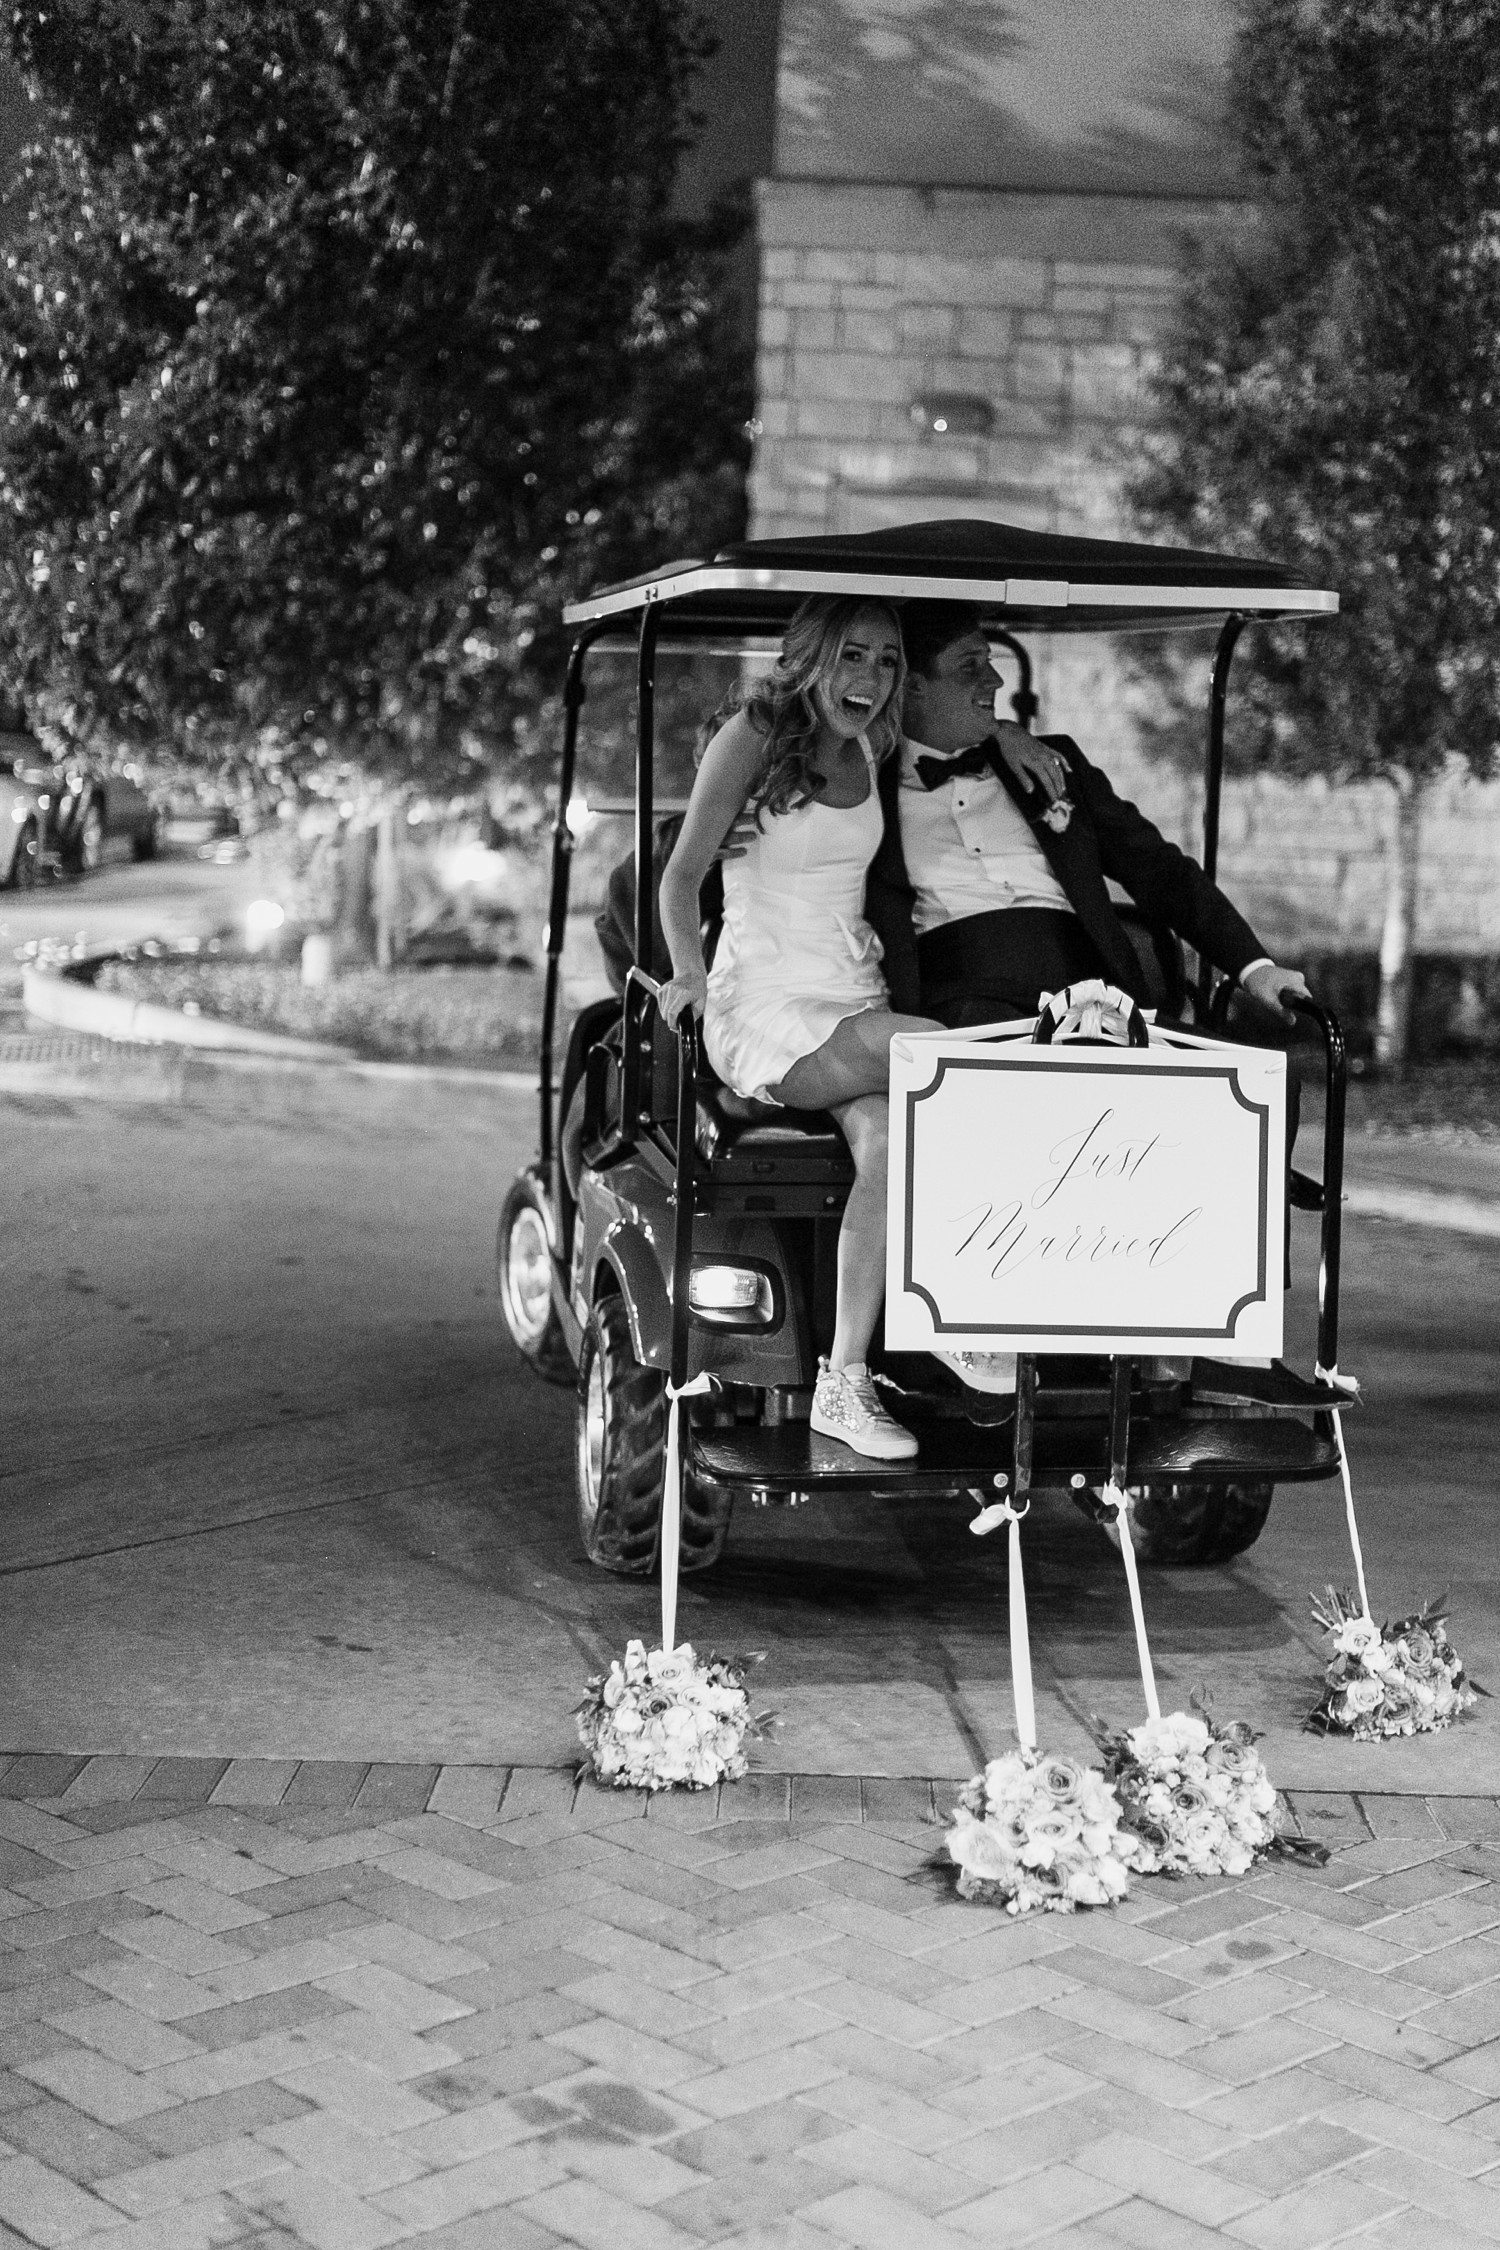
column 1330, row 1198
column 637, row 981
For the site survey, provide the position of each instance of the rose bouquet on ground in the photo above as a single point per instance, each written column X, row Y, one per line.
column 1196, row 1796
column 1040, row 1832
column 663, row 1719
column 1404, row 1677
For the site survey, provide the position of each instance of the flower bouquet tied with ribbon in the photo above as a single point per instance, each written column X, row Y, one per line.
column 665, row 1719
column 1196, row 1796
column 1040, row 1832
column 1402, row 1677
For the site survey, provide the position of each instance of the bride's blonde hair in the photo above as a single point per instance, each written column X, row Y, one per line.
column 782, row 705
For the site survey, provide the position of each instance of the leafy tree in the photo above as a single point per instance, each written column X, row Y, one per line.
column 340, row 341
column 1331, row 395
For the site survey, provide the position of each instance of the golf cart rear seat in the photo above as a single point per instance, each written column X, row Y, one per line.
column 753, row 1155
column 736, row 1135
column 735, row 1125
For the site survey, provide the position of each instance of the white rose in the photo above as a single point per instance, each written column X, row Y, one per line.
column 974, row 1845
column 1357, row 1636
column 1112, row 1876
column 1085, row 1886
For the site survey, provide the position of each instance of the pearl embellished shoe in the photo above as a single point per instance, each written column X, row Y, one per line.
column 845, row 1406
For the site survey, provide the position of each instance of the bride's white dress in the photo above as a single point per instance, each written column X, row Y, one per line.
column 796, row 955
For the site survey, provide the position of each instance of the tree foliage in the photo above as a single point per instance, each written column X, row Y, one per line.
column 341, row 341
column 1331, row 394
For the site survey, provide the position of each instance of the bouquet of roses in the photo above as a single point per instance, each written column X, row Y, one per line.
column 1046, row 1832
column 662, row 1718
column 1196, row 1795
column 1401, row 1678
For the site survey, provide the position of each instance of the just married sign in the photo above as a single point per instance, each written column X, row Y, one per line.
column 1086, row 1198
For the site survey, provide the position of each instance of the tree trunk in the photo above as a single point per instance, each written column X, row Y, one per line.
column 354, row 931
column 1399, row 935
column 387, row 889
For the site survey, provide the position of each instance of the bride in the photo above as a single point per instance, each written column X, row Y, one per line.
column 796, row 1011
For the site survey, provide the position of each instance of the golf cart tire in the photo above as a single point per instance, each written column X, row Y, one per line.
column 621, row 1444
column 1195, row 1526
column 522, row 1258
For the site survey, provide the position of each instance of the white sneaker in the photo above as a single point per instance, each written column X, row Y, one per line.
column 845, row 1407
column 982, row 1371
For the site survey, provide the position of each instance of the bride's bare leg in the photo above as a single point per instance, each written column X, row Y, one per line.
column 865, row 1124
column 849, row 1075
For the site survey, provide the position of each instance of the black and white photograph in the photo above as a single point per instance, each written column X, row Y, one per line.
column 749, row 1124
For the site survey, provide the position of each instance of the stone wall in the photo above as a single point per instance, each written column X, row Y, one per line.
column 1048, row 309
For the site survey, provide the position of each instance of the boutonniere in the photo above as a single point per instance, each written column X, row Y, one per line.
column 1058, row 814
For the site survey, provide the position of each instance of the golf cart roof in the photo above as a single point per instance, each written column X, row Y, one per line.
column 1019, row 578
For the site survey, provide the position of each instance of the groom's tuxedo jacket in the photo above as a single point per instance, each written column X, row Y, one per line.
column 1105, row 838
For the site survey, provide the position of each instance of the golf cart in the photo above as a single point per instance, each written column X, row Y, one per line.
column 671, row 1229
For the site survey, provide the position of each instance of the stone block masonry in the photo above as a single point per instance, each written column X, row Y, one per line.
column 1045, row 307
column 1049, row 309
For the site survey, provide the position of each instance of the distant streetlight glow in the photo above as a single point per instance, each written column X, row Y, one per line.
column 262, row 917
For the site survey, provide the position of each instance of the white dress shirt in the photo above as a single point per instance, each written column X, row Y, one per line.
column 969, row 848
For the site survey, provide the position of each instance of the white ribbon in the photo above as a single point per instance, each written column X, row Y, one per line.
column 1091, row 1010
column 1114, row 1498
column 671, row 1503
column 988, row 1519
column 1350, row 1388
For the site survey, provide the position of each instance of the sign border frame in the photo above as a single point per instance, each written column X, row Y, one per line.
column 1229, row 1072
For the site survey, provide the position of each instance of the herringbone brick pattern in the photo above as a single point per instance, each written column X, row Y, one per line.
column 282, row 2004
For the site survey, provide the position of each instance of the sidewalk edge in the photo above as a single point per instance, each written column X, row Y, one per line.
column 74, row 1006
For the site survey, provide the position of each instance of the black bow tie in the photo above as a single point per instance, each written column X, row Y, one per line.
column 933, row 772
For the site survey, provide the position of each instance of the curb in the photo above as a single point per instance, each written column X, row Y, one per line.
column 75, row 1006
column 472, row 1793
column 120, row 1022
column 1427, row 1207
column 88, row 1066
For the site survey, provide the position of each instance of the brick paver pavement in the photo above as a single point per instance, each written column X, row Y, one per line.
column 281, row 2003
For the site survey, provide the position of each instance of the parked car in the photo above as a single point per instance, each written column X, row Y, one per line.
column 197, row 814
column 87, row 804
column 22, row 817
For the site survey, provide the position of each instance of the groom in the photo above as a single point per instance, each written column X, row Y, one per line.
column 987, row 892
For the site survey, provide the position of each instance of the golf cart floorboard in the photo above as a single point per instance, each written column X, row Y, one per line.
column 791, row 1457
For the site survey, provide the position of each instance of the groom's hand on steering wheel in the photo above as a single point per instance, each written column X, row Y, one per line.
column 683, row 992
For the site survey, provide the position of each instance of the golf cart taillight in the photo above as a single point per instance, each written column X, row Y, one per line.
column 739, row 1296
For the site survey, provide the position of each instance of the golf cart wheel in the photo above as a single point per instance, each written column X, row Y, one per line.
column 1188, row 1526
column 622, row 1432
column 523, row 1259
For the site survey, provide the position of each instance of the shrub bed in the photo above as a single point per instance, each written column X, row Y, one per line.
column 488, row 1017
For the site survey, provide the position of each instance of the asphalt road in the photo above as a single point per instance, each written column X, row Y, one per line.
column 272, row 1481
